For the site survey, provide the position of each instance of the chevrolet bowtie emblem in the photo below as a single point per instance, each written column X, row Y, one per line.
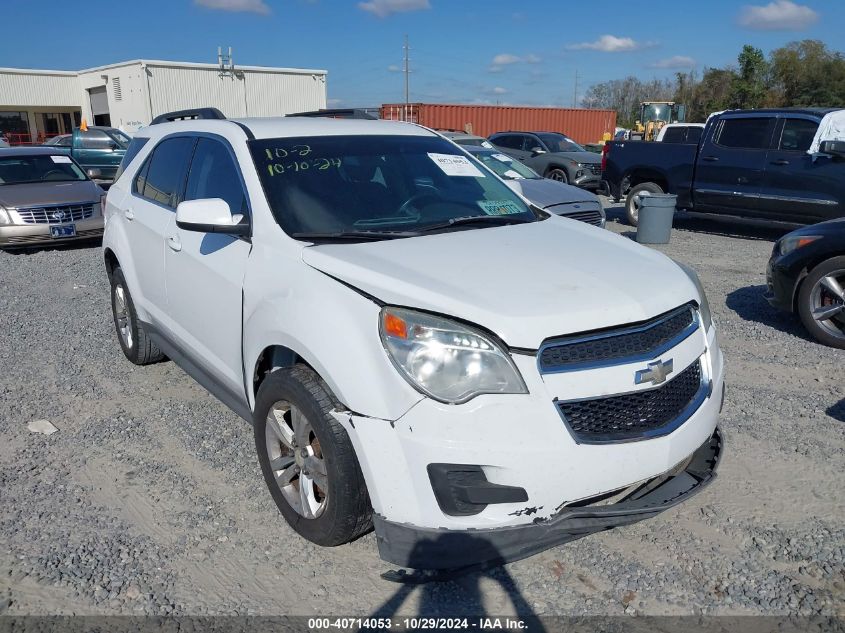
column 655, row 373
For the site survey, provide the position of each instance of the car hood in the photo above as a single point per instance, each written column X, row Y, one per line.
column 545, row 193
column 38, row 194
column 523, row 282
column 587, row 158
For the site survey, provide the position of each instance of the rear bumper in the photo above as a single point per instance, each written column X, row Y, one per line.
column 15, row 235
column 433, row 548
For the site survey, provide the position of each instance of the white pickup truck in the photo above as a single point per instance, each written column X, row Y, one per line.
column 417, row 348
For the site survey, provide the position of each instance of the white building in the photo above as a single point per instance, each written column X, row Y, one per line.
column 38, row 104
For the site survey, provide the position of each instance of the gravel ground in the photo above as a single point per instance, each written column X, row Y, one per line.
column 149, row 500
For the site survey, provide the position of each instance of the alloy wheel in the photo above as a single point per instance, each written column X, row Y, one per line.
column 296, row 460
column 121, row 315
column 827, row 303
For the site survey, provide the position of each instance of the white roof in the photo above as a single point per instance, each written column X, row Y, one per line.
column 274, row 127
column 170, row 64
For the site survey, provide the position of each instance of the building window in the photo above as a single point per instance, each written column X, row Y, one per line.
column 14, row 126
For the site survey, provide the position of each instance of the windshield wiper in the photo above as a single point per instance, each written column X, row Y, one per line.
column 476, row 219
column 354, row 235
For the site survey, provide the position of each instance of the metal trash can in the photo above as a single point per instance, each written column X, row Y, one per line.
column 654, row 225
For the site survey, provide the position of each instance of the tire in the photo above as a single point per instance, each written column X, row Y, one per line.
column 632, row 204
column 818, row 293
column 134, row 341
column 334, row 507
column 558, row 174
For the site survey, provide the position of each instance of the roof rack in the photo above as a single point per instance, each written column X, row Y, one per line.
column 338, row 113
column 188, row 115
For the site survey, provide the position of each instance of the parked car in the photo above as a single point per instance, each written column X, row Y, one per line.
column 462, row 138
column 553, row 155
column 389, row 314
column 99, row 151
column 549, row 195
column 62, row 140
column 680, row 133
column 46, row 197
column 751, row 163
column 806, row 275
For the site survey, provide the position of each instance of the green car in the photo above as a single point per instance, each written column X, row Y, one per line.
column 98, row 150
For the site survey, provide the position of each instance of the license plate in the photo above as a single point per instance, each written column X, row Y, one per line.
column 63, row 230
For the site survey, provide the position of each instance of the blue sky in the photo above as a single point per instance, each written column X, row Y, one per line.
column 462, row 51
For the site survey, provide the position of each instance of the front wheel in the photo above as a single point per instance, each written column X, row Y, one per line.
column 558, row 174
column 821, row 302
column 134, row 341
column 307, row 459
column 634, row 200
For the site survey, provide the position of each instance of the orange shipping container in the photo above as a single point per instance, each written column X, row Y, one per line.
column 584, row 126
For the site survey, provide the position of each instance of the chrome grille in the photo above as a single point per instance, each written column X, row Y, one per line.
column 590, row 217
column 56, row 214
column 639, row 414
column 643, row 341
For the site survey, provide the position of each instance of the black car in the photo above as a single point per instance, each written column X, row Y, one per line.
column 806, row 274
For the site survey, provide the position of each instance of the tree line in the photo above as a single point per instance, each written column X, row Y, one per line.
column 804, row 73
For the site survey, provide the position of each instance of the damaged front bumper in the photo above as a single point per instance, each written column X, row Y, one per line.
column 441, row 549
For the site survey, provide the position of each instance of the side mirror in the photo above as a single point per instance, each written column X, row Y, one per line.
column 209, row 215
column 834, row 148
column 536, row 151
column 94, row 173
column 113, row 146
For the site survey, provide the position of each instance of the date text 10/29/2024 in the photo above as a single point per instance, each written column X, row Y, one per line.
column 417, row 624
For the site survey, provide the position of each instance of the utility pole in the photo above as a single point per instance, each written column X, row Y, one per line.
column 575, row 92
column 407, row 70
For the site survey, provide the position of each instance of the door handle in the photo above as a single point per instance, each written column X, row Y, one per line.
column 129, row 214
column 780, row 162
column 174, row 243
column 710, row 159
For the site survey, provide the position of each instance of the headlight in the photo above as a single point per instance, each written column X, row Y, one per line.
column 444, row 359
column 703, row 306
column 5, row 218
column 790, row 243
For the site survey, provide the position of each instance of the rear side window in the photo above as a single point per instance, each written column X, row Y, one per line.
column 674, row 135
column 214, row 175
column 746, row 133
column 135, row 146
column 694, row 134
column 163, row 178
column 798, row 134
column 95, row 139
column 511, row 141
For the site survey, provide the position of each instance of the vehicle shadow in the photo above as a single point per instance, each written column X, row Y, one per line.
column 64, row 246
column 749, row 305
column 457, row 594
column 837, row 411
column 724, row 226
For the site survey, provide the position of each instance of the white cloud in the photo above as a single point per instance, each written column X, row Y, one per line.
column 393, row 68
column 246, row 6
column 503, row 59
column 674, row 62
column 779, row 15
column 498, row 90
column 507, row 59
column 611, row 44
column 383, row 8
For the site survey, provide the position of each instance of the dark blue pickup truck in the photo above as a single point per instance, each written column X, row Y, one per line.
column 751, row 163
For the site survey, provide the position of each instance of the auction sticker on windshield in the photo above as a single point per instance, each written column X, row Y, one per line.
column 503, row 158
column 499, row 207
column 60, row 159
column 454, row 165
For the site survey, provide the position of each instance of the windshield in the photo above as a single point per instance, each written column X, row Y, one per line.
column 657, row 112
column 353, row 184
column 560, row 143
column 122, row 139
column 505, row 166
column 15, row 170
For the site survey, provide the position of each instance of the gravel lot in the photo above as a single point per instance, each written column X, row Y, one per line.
column 149, row 500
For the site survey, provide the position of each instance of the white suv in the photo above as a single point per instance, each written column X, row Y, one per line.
column 416, row 347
